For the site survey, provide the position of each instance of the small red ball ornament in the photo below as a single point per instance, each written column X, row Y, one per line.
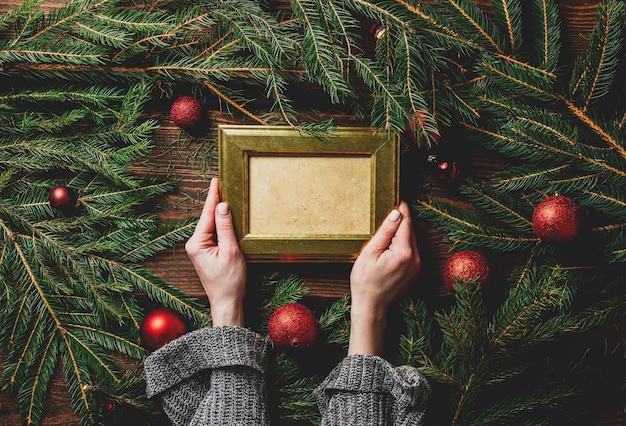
column 466, row 265
column 62, row 198
column 185, row 112
column 446, row 171
column 556, row 219
column 292, row 326
column 160, row 327
column 376, row 33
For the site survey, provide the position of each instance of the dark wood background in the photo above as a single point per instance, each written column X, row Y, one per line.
column 194, row 162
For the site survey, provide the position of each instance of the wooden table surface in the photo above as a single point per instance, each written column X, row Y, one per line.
column 194, row 163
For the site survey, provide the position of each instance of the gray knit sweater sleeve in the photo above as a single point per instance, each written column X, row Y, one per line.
column 367, row 390
column 212, row 376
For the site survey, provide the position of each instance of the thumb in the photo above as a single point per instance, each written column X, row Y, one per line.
column 224, row 227
column 382, row 239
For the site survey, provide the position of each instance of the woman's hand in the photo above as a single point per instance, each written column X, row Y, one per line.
column 219, row 263
column 382, row 272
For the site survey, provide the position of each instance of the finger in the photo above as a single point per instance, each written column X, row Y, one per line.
column 382, row 239
column 226, row 238
column 405, row 242
column 405, row 236
column 206, row 223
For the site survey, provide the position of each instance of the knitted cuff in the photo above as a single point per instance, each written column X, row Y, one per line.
column 373, row 374
column 207, row 348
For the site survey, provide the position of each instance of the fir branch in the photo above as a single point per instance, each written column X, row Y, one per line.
column 601, row 313
column 526, row 177
column 334, row 313
column 415, row 342
column 595, row 127
column 78, row 381
column 445, row 210
column 286, row 289
column 34, row 390
column 518, row 77
column 464, row 326
column 476, row 26
column 297, row 402
column 21, row 12
column 594, row 73
column 498, row 205
column 545, row 16
column 518, row 314
column 157, row 289
column 322, row 59
column 509, row 14
column 611, row 201
column 111, row 341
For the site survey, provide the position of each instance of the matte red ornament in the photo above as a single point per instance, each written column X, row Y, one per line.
column 556, row 219
column 466, row 265
column 186, row 111
column 160, row 327
column 292, row 326
column 62, row 198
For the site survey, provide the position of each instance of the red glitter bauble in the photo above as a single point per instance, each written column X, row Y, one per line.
column 186, row 111
column 466, row 265
column 160, row 327
column 556, row 219
column 292, row 326
column 61, row 198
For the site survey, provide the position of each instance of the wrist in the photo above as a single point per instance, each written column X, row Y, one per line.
column 367, row 333
column 227, row 315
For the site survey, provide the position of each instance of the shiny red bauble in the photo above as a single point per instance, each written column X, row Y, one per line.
column 556, row 219
column 292, row 326
column 62, row 198
column 376, row 33
column 466, row 265
column 444, row 170
column 160, row 327
column 186, row 112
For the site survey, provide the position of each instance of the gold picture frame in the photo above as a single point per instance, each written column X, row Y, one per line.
column 299, row 198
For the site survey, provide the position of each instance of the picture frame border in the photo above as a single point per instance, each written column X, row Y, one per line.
column 238, row 143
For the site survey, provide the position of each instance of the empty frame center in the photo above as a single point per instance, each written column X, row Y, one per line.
column 309, row 195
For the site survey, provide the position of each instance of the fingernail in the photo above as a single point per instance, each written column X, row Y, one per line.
column 222, row 208
column 394, row 216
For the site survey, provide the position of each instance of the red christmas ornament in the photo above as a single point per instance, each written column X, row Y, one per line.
column 447, row 171
column 292, row 326
column 416, row 132
column 109, row 406
column 556, row 219
column 186, row 111
column 160, row 327
column 466, row 265
column 376, row 33
column 62, row 198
